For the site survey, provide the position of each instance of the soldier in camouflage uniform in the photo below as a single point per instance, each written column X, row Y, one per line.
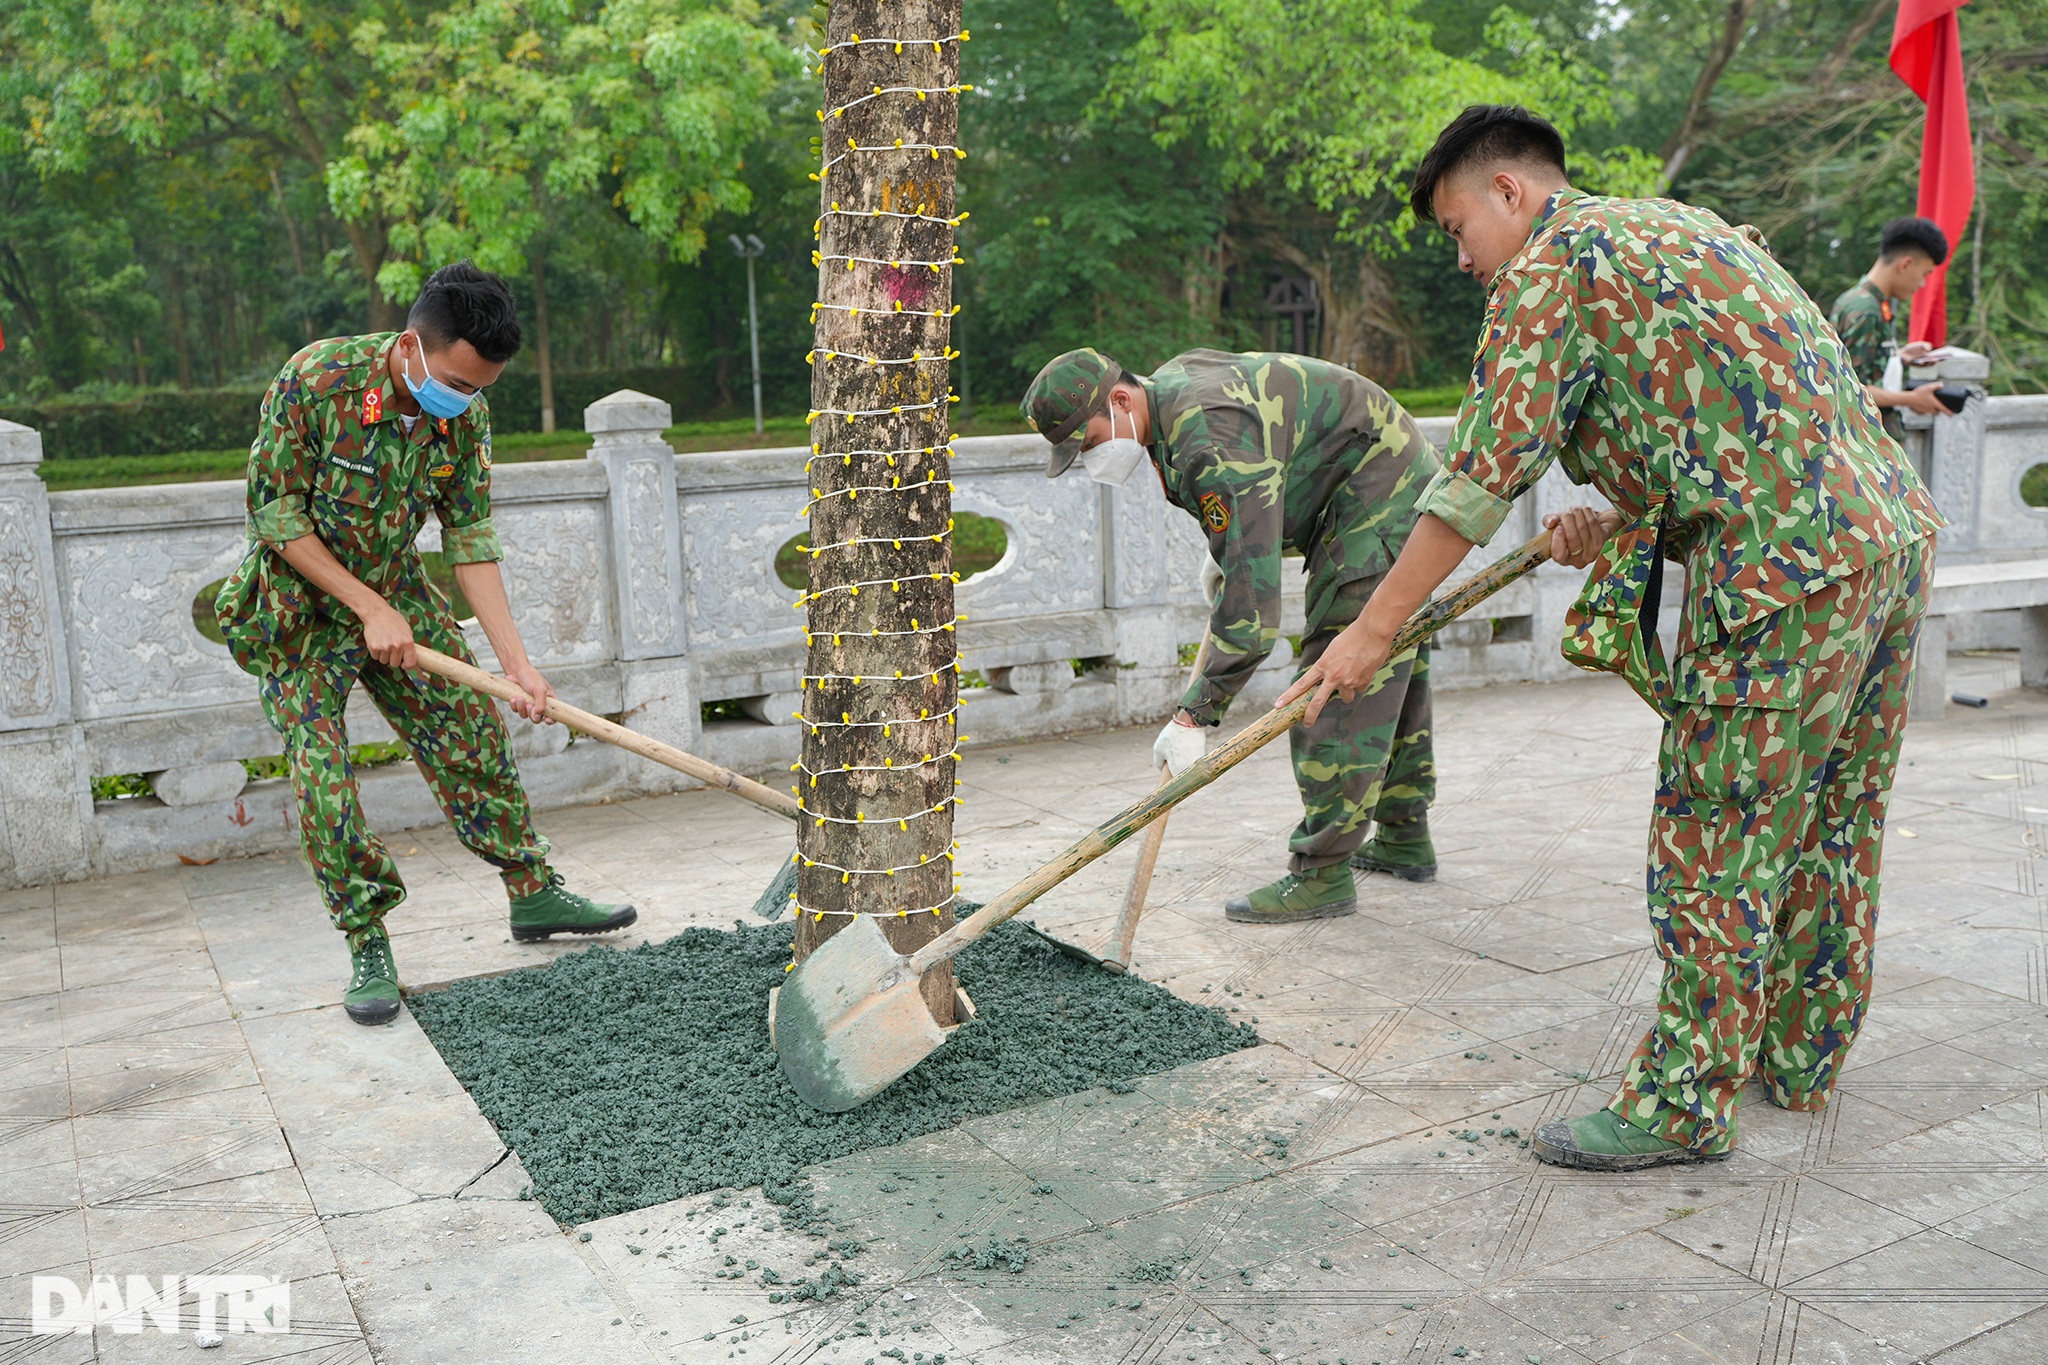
column 1865, row 317
column 1664, row 357
column 358, row 438
column 1275, row 454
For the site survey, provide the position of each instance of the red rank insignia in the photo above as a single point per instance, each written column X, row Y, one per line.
column 442, row 424
column 373, row 406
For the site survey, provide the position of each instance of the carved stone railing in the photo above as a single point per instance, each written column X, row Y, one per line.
column 644, row 584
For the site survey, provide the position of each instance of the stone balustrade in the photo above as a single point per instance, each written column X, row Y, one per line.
column 645, row 587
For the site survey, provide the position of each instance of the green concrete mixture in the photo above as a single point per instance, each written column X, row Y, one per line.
column 626, row 1078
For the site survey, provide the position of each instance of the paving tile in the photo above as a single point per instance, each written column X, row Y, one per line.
column 1615, row 1297
column 1925, row 1292
column 140, row 1117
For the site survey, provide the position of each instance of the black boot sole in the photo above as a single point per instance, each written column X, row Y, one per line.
column 1548, row 1148
column 375, row 1012
column 530, row 933
column 1241, row 912
column 1406, row 874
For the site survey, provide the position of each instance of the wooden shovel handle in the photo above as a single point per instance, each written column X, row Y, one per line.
column 1431, row 618
column 611, row 732
column 1117, row 953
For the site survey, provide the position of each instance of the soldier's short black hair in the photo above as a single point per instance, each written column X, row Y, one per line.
column 1902, row 235
column 462, row 303
column 1487, row 133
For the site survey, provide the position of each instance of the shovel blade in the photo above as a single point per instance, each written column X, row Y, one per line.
column 851, row 1019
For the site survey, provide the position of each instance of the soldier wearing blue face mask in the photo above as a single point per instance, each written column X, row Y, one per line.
column 359, row 438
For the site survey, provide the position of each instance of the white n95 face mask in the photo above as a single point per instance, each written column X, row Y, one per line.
column 1115, row 460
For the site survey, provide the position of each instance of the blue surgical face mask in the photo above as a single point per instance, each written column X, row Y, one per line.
column 435, row 398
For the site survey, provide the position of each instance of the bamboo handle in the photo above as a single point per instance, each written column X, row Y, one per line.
column 611, row 732
column 1431, row 618
column 1119, row 957
column 1126, row 932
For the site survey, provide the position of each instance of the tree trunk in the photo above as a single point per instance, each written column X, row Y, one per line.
column 877, row 776
column 181, row 342
column 543, row 345
column 291, row 232
column 1678, row 147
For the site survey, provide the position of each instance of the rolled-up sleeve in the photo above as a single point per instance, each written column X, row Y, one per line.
column 280, row 464
column 1532, row 375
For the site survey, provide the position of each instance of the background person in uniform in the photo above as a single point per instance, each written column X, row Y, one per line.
column 1272, row 453
column 1866, row 317
column 358, row 439
column 1664, row 357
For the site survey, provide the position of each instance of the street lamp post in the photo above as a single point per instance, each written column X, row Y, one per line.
column 748, row 250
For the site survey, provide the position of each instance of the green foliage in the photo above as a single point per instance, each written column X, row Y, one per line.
column 129, row 786
column 189, row 192
column 514, row 117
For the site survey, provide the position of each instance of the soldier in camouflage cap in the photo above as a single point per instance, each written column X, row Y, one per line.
column 358, row 439
column 1274, row 454
column 1664, row 357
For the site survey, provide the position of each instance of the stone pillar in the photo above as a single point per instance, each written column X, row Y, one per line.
column 1955, row 449
column 657, row 680
column 45, row 792
column 1138, row 565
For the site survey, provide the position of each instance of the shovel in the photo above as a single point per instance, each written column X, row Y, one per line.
column 1116, row 949
column 850, row 1018
column 597, row 727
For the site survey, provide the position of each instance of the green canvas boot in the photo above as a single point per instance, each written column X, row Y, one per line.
column 372, row 994
column 1324, row 893
column 556, row 910
column 1602, row 1142
column 1401, row 850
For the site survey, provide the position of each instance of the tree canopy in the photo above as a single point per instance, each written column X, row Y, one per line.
column 189, row 192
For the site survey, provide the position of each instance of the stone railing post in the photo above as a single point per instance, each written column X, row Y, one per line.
column 658, row 682
column 1955, row 450
column 1138, row 589
column 45, row 790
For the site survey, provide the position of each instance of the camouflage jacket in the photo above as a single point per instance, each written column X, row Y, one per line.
column 1654, row 350
column 1273, row 453
column 1864, row 319
column 332, row 458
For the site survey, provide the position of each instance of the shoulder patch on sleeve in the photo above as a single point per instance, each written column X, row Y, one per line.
column 1215, row 512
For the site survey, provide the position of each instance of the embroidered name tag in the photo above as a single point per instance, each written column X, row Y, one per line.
column 359, row 466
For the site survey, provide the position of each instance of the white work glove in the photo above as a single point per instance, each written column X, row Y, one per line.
column 1178, row 746
column 1212, row 581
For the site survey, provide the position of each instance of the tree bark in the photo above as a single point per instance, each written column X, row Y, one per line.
column 877, row 776
column 544, row 356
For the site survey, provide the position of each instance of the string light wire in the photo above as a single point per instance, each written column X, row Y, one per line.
column 949, row 717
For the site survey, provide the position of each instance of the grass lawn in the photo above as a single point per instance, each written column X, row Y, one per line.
column 689, row 438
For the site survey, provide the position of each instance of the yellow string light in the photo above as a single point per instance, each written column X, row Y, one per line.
column 897, row 482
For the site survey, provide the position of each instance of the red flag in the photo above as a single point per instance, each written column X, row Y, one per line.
column 1927, row 54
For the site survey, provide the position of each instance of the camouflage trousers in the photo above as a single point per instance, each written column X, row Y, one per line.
column 457, row 739
column 1776, row 766
column 1368, row 759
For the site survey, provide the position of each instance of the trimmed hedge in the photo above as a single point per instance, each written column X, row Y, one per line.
column 167, row 421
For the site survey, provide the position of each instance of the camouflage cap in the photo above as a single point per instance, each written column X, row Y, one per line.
column 1070, row 389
